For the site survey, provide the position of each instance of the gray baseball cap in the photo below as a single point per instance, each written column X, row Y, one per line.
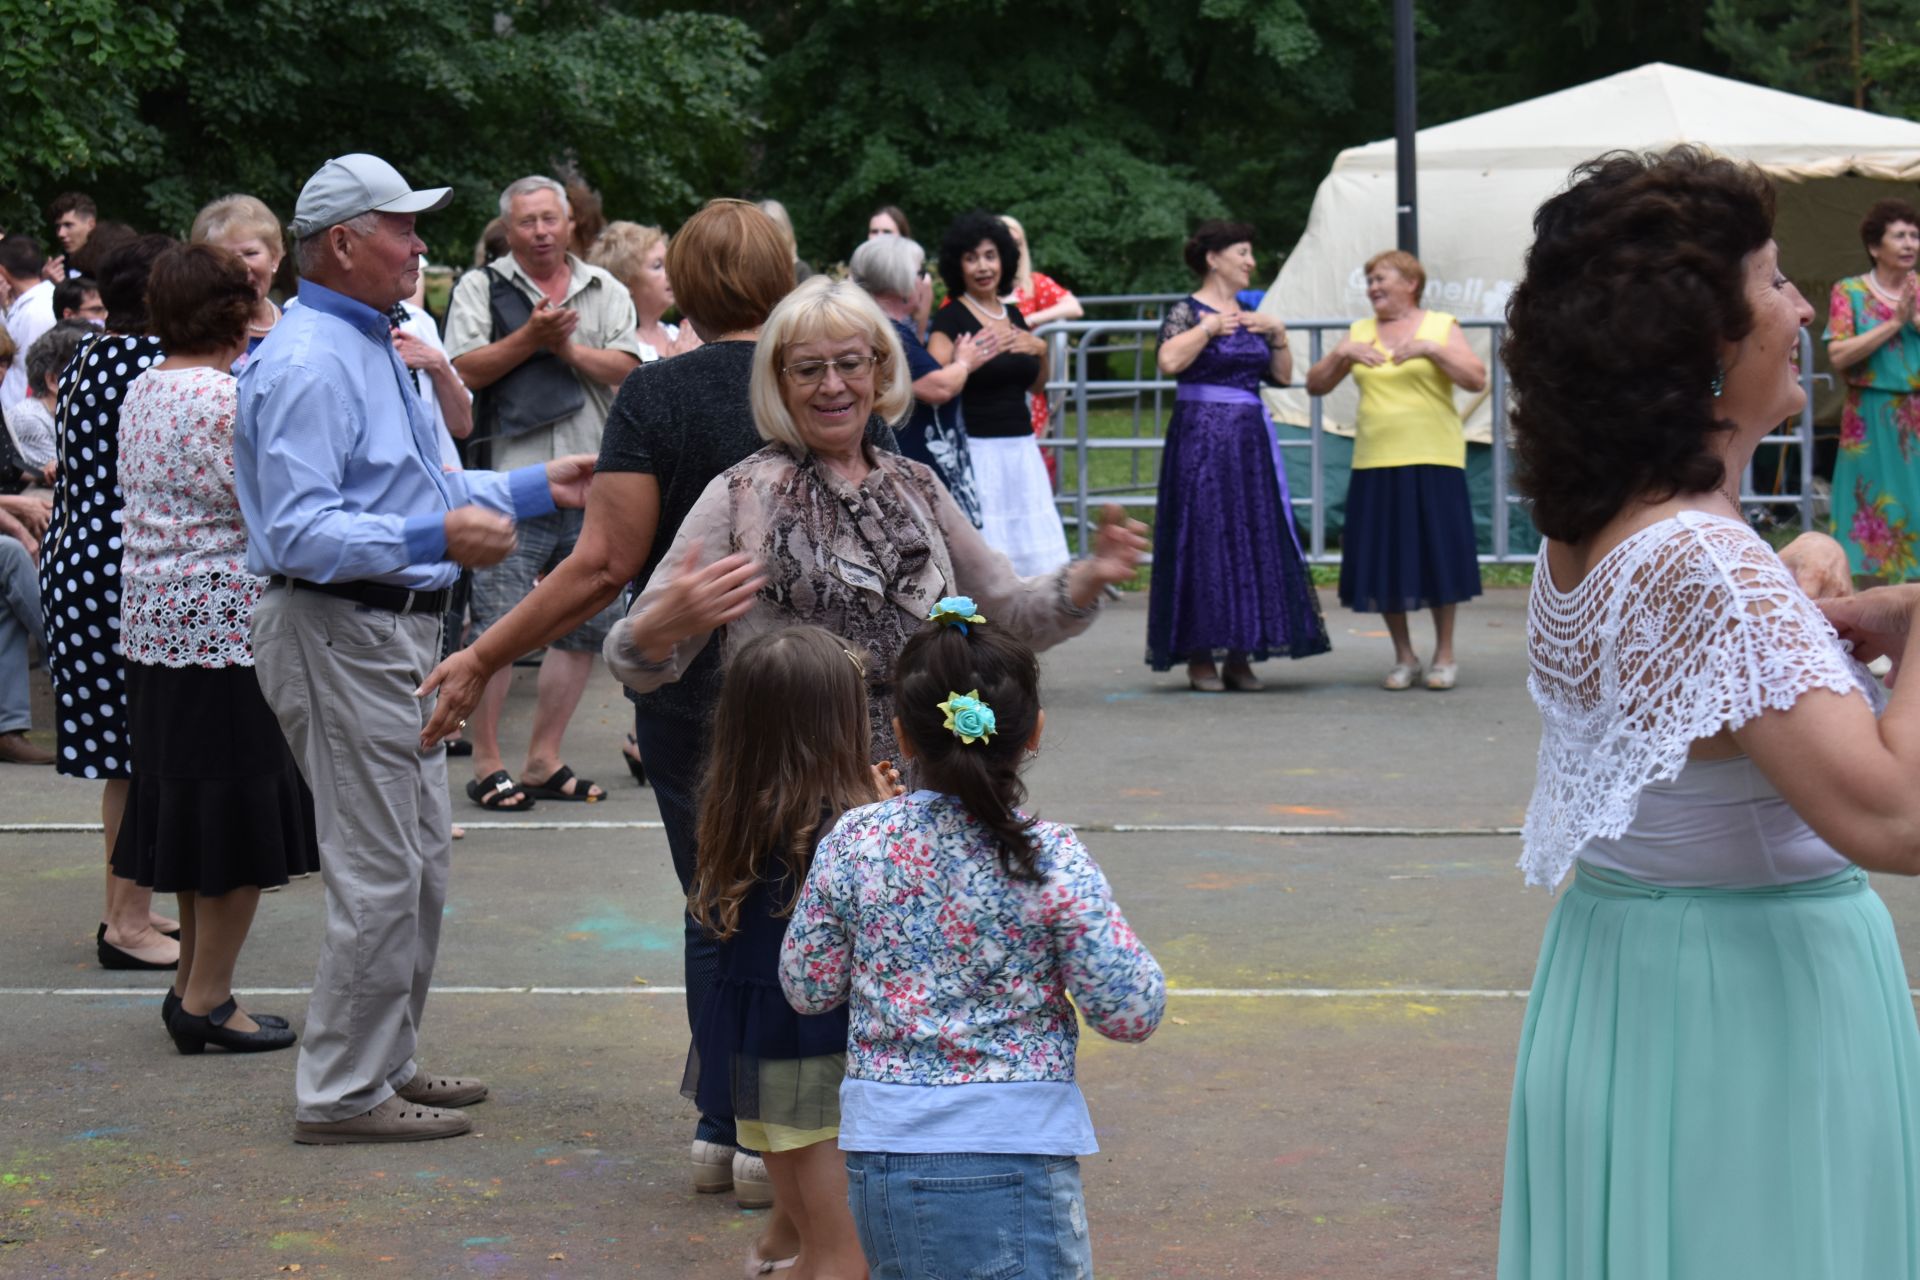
column 349, row 186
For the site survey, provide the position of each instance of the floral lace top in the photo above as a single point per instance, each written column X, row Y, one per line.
column 186, row 597
column 1687, row 627
column 958, row 973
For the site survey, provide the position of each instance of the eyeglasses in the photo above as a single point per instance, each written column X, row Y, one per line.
column 811, row 373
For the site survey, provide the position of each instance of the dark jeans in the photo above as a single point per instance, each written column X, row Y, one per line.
column 675, row 752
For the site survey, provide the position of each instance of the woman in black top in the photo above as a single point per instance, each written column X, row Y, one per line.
column 977, row 260
column 674, row 426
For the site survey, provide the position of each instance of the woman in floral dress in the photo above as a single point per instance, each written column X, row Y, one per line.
column 1874, row 345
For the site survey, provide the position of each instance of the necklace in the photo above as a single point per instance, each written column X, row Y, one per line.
column 1890, row 297
column 984, row 313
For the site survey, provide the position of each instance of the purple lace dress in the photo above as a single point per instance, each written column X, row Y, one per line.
column 1227, row 569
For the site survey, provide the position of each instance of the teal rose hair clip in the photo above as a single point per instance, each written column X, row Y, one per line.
column 955, row 611
column 970, row 719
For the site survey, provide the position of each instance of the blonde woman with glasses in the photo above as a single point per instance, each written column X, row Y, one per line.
column 821, row 528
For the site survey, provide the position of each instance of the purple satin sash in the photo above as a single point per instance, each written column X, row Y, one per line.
column 1213, row 393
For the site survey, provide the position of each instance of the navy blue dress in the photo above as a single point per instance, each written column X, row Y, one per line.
column 1227, row 571
column 936, row 435
column 753, row 1057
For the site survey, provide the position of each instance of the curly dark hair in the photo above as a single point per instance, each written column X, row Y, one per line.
column 199, row 299
column 1873, row 227
column 940, row 660
column 967, row 231
column 1212, row 236
column 1634, row 281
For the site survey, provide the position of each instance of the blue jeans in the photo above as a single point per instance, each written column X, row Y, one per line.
column 970, row 1216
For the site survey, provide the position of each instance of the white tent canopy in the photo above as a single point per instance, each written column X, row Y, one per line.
column 1481, row 178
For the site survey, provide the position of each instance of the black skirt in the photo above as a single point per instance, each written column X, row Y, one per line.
column 1408, row 542
column 217, row 801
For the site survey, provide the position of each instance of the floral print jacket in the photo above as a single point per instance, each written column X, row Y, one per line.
column 957, row 972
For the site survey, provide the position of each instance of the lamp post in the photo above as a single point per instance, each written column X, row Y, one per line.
column 1405, row 121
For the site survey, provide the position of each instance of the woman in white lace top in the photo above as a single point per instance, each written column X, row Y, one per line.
column 1719, row 1074
column 217, row 810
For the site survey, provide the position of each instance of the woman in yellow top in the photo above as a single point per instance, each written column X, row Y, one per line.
column 1409, row 541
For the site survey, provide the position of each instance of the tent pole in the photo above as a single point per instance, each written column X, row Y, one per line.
column 1405, row 117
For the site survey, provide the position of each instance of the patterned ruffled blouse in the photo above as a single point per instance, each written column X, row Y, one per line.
column 958, row 973
column 865, row 561
column 186, row 596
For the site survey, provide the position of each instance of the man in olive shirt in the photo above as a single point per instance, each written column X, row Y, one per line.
column 582, row 317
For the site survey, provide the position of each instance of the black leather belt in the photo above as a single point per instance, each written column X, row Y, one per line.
column 375, row 595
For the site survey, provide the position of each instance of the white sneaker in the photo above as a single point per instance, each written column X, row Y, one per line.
column 712, row 1166
column 752, row 1188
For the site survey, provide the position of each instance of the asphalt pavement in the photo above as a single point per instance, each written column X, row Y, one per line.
column 1325, row 870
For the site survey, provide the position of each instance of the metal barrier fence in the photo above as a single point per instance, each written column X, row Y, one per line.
column 1073, row 391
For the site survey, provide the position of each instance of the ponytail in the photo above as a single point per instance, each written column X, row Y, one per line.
column 942, row 668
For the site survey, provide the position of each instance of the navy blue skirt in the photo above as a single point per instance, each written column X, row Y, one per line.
column 1408, row 542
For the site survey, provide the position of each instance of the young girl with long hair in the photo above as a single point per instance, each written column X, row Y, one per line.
column 788, row 757
column 959, row 926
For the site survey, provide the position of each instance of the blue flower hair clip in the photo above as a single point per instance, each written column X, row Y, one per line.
column 954, row 611
column 970, row 719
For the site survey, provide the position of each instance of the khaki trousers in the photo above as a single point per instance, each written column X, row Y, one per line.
column 340, row 677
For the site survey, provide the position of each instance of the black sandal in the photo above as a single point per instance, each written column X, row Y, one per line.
column 552, row 788
column 631, row 754
column 499, row 792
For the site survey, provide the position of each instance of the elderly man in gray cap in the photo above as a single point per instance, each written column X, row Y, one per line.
column 360, row 533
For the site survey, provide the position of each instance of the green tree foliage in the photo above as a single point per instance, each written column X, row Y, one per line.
column 655, row 109
column 1806, row 46
column 72, row 73
column 1109, row 129
column 1109, row 126
column 1892, row 64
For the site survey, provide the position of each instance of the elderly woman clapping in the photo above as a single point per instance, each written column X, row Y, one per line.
column 819, row 527
column 891, row 268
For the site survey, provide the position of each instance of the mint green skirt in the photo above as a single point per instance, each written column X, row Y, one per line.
column 1715, row 1084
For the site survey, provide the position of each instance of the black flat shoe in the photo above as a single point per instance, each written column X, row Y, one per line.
column 112, row 957
column 170, row 1004
column 192, row 1033
column 634, row 764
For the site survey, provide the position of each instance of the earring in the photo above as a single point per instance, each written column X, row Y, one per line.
column 1719, row 380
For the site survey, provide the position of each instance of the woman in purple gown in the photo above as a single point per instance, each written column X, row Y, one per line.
column 1228, row 574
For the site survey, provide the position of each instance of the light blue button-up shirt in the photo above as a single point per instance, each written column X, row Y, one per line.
column 336, row 465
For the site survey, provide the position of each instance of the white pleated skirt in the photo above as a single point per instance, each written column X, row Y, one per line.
column 1017, row 514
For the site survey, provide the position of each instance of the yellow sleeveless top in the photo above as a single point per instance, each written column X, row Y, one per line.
column 1406, row 418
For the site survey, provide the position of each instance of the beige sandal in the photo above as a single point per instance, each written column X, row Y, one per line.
column 1401, row 677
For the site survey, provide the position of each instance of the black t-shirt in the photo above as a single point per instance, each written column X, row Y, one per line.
column 683, row 421
column 994, row 401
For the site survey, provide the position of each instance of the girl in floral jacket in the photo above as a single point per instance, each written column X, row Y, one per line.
column 958, row 927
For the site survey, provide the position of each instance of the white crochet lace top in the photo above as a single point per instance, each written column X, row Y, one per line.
column 1688, row 627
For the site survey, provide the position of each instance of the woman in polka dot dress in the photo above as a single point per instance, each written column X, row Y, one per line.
column 79, row 586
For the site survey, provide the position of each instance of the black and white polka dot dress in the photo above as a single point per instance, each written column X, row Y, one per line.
column 80, row 562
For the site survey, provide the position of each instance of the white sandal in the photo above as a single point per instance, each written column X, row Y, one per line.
column 1442, row 675
column 1401, row 677
column 759, row 1266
